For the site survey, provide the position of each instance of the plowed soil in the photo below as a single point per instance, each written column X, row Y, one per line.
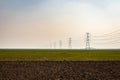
column 60, row 70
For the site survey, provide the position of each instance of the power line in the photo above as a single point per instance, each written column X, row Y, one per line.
column 105, row 39
column 109, row 39
column 108, row 34
column 107, row 42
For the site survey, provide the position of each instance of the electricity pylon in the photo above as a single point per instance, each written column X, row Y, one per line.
column 54, row 45
column 60, row 44
column 87, row 40
column 70, row 43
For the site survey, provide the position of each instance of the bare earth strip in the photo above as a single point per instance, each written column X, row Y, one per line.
column 59, row 70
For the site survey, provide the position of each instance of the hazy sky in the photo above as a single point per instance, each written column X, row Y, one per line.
column 39, row 23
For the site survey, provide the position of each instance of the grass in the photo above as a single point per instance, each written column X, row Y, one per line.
column 59, row 55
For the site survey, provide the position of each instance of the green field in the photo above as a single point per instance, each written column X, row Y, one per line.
column 59, row 55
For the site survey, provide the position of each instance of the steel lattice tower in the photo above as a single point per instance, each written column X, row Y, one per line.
column 60, row 44
column 70, row 43
column 54, row 45
column 87, row 40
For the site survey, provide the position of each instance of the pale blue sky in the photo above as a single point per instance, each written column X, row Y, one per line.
column 37, row 23
column 11, row 8
column 7, row 6
column 20, row 4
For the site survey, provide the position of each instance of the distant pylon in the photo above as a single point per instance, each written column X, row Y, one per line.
column 60, row 44
column 87, row 40
column 70, row 43
column 50, row 46
column 54, row 45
